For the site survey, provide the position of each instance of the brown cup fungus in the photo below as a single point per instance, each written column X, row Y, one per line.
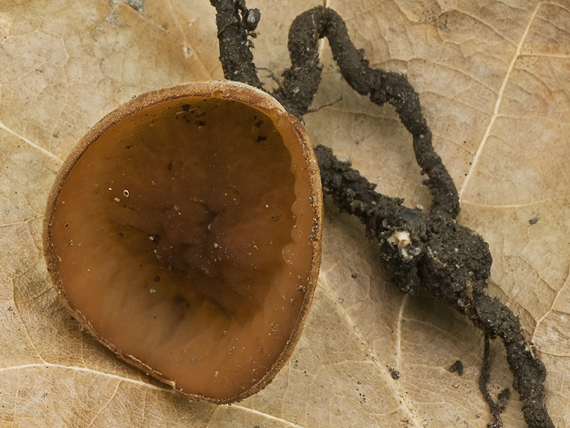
column 184, row 233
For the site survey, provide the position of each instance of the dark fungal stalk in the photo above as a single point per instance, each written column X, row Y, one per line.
column 498, row 407
column 448, row 260
column 301, row 80
column 430, row 252
column 235, row 23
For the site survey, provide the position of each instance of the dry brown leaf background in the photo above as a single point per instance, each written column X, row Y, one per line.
column 494, row 82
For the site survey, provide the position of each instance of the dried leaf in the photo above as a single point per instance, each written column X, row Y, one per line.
column 494, row 83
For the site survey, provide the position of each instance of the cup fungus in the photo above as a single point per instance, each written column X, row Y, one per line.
column 184, row 233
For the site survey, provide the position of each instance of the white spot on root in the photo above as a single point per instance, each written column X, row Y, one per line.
column 402, row 240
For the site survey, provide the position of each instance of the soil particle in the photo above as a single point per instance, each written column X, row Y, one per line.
column 457, row 367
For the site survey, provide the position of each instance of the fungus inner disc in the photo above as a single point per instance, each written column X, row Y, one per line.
column 175, row 236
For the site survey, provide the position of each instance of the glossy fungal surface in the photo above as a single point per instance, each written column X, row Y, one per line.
column 184, row 233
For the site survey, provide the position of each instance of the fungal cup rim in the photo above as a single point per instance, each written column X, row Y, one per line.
column 227, row 90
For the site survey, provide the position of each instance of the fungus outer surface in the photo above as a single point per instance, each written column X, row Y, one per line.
column 184, row 233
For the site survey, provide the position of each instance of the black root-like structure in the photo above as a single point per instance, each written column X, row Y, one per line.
column 430, row 252
column 451, row 261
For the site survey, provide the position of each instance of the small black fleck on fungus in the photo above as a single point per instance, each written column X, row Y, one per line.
column 179, row 299
column 261, row 138
column 200, row 123
column 156, row 278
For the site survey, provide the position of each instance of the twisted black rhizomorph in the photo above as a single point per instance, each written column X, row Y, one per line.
column 430, row 252
column 452, row 262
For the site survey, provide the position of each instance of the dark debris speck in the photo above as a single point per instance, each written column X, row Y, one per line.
column 394, row 373
column 457, row 367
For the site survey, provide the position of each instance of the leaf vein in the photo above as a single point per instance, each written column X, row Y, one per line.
column 407, row 407
column 113, row 395
column 84, row 370
column 477, row 156
column 32, row 144
column 266, row 415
